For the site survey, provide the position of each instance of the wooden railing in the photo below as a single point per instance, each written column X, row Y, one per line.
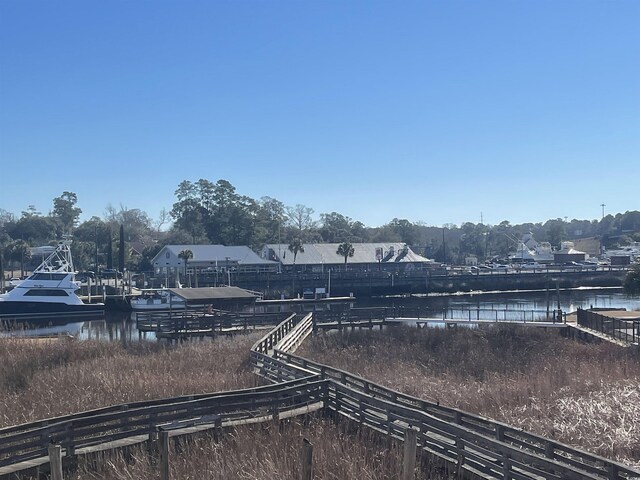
column 73, row 432
column 193, row 322
column 473, row 442
column 497, row 315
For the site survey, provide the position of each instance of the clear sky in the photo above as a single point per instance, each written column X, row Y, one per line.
column 432, row 111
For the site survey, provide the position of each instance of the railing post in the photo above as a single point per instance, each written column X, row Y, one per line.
column 55, row 461
column 124, row 421
column 506, row 467
column 548, row 450
column 456, row 417
column 217, row 430
column 307, row 460
column 460, row 459
column 409, row 460
column 163, row 441
column 70, row 448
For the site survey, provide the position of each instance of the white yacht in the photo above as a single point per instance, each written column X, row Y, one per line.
column 49, row 292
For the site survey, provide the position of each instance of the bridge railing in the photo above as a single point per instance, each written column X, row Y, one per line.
column 625, row 330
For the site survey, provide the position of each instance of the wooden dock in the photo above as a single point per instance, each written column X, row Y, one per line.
column 451, row 322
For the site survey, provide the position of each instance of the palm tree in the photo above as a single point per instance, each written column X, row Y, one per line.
column 296, row 246
column 185, row 255
column 346, row 250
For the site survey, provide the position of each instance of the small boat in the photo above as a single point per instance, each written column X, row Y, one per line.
column 48, row 293
column 158, row 300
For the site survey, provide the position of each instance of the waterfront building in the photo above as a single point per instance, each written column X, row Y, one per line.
column 317, row 257
column 211, row 259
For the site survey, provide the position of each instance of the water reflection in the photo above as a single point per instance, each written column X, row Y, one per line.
column 116, row 326
column 569, row 301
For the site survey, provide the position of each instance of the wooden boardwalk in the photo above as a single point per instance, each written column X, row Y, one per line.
column 476, row 446
column 451, row 322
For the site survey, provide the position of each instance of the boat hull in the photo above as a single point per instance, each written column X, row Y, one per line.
column 44, row 311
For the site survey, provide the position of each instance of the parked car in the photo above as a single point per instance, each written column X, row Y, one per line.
column 14, row 282
column 587, row 265
column 500, row 268
column 533, row 266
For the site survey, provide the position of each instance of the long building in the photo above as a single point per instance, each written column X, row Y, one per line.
column 211, row 258
column 316, row 257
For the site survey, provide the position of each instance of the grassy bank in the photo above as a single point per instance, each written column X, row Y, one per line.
column 584, row 395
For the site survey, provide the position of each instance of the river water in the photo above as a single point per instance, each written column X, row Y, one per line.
column 119, row 326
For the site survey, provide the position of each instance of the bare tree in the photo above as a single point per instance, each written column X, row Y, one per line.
column 300, row 218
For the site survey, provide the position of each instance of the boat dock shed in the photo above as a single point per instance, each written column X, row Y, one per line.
column 223, row 298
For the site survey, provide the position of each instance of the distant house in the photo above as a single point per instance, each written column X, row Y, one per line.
column 136, row 249
column 318, row 256
column 568, row 253
column 211, row 258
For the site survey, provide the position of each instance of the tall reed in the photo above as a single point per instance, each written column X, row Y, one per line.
column 42, row 380
column 267, row 451
column 585, row 395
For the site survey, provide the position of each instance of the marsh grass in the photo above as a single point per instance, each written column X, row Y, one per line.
column 585, row 395
column 340, row 452
column 43, row 380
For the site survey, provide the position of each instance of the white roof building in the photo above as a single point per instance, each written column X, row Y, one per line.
column 240, row 258
column 326, row 254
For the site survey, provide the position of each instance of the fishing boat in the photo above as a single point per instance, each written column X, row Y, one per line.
column 48, row 293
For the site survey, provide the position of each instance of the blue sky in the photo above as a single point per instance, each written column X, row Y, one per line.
column 434, row 111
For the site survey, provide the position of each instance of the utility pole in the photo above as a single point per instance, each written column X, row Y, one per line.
column 602, row 205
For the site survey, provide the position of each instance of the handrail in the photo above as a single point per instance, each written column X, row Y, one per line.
column 532, row 444
column 617, row 328
column 30, row 441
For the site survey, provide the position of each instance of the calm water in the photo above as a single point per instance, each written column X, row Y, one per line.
column 118, row 326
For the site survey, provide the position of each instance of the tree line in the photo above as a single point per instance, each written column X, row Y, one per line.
column 206, row 212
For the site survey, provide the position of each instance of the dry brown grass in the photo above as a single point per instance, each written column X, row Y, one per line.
column 580, row 394
column 43, row 380
column 262, row 452
column 40, row 380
